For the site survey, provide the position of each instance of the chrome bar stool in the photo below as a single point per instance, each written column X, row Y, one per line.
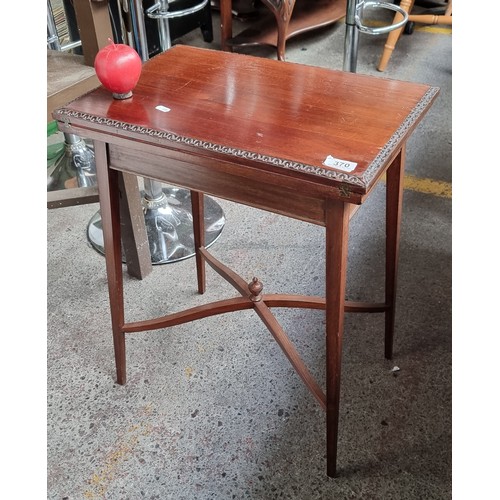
column 167, row 210
column 355, row 13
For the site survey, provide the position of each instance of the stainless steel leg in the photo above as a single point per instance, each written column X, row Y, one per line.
column 169, row 224
column 74, row 168
column 351, row 40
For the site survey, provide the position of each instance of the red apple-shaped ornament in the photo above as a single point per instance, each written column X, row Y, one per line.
column 118, row 68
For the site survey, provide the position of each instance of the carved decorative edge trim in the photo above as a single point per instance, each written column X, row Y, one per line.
column 409, row 121
column 362, row 181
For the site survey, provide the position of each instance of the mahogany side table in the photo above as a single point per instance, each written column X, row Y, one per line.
column 301, row 141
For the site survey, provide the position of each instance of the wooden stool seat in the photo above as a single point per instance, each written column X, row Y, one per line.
column 67, row 78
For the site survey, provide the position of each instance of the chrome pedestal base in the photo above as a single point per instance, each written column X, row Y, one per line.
column 169, row 225
column 74, row 166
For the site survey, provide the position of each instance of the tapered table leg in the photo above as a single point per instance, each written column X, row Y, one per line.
column 198, row 209
column 337, row 232
column 109, row 200
column 394, row 203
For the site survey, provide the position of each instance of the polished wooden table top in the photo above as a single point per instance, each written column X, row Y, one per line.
column 332, row 127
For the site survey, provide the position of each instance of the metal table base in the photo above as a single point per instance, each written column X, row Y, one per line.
column 73, row 167
column 169, row 225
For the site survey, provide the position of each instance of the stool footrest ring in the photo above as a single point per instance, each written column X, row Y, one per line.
column 370, row 30
column 155, row 12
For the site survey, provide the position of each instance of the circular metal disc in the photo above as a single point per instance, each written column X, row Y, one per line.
column 169, row 227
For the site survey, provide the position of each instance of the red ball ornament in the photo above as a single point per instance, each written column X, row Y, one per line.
column 118, row 68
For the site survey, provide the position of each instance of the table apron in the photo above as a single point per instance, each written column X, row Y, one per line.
column 281, row 194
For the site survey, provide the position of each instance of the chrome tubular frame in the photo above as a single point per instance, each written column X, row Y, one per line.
column 354, row 24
